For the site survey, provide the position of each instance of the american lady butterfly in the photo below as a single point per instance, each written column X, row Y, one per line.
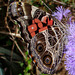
column 44, row 34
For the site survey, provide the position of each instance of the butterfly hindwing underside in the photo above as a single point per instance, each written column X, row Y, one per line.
column 44, row 34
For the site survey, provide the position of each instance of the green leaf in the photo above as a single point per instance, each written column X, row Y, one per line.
column 28, row 68
column 29, row 61
column 32, row 1
column 21, row 64
column 26, row 58
column 41, row 2
column 20, row 74
column 26, row 53
column 27, row 74
column 16, row 22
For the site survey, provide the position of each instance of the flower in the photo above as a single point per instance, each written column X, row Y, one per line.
column 66, row 12
column 72, row 29
column 70, row 53
column 60, row 13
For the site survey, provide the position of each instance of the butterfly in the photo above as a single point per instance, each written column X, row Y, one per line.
column 44, row 34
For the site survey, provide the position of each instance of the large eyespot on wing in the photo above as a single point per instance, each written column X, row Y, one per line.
column 39, row 47
column 38, row 44
column 47, row 59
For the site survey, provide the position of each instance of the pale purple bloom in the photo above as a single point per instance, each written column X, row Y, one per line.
column 69, row 22
column 72, row 29
column 70, row 53
column 66, row 12
column 60, row 13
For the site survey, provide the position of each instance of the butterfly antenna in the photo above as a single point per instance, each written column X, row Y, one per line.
column 46, row 5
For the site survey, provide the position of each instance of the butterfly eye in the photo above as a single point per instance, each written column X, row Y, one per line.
column 47, row 60
column 40, row 48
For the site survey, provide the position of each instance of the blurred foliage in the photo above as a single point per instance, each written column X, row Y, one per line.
column 52, row 4
column 13, row 66
column 26, row 69
column 1, row 70
column 65, row 1
column 45, row 74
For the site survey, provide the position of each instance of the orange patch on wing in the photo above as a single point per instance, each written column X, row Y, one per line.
column 50, row 22
column 36, row 21
column 42, row 29
column 33, row 34
column 31, row 55
column 32, row 28
column 34, row 61
column 40, row 25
